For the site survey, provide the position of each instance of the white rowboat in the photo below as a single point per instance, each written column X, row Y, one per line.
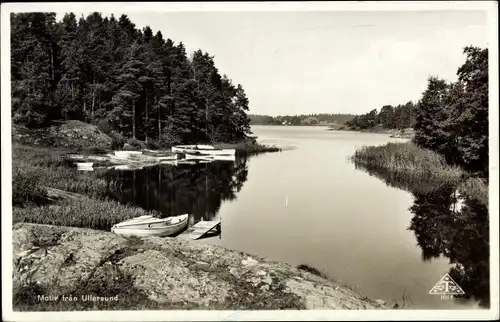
column 123, row 167
column 202, row 149
column 198, row 157
column 84, row 164
column 225, row 158
column 126, row 154
column 145, row 226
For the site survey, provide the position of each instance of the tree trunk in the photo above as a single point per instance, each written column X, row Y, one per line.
column 133, row 119
column 134, row 188
column 146, row 125
column 93, row 101
column 159, row 122
column 51, row 69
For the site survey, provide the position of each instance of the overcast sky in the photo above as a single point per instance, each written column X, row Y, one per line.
column 326, row 62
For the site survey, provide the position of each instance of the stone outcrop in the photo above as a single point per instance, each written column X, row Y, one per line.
column 67, row 134
column 64, row 268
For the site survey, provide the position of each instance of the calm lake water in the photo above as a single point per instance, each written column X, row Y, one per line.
column 310, row 205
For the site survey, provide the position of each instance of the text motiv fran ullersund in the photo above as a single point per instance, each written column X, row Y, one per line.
column 72, row 298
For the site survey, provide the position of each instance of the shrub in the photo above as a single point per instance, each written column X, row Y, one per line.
column 169, row 140
column 136, row 144
column 312, row 270
column 97, row 150
column 26, row 188
column 103, row 125
column 153, row 145
column 117, row 141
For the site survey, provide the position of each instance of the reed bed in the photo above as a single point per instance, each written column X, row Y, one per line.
column 51, row 168
column 407, row 158
column 248, row 147
column 475, row 188
column 85, row 213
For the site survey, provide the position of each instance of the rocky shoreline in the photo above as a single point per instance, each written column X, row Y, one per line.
column 64, row 268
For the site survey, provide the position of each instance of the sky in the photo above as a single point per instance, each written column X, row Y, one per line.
column 326, row 61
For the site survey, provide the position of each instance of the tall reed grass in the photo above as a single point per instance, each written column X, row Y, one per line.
column 475, row 188
column 247, row 147
column 85, row 213
column 407, row 158
column 51, row 168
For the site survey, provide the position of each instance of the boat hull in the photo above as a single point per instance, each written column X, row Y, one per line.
column 126, row 154
column 225, row 158
column 158, row 227
column 198, row 157
column 84, row 164
column 200, row 149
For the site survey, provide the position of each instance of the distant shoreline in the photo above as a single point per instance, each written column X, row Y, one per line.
column 297, row 125
column 406, row 133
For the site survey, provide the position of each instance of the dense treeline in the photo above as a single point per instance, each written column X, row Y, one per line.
column 131, row 82
column 453, row 117
column 398, row 117
column 305, row 119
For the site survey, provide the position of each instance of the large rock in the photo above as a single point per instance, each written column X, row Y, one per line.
column 68, row 134
column 157, row 273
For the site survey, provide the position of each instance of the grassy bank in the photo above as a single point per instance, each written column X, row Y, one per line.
column 407, row 158
column 407, row 166
column 475, row 188
column 49, row 167
column 35, row 168
column 247, row 147
column 85, row 213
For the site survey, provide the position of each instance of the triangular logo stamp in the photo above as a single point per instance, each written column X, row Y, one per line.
column 447, row 286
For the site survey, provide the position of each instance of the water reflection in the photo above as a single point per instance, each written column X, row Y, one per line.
column 450, row 224
column 197, row 189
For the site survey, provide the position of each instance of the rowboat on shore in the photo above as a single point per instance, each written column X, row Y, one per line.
column 84, row 164
column 145, row 226
column 189, row 156
column 125, row 167
column 126, row 154
column 202, row 149
column 169, row 162
column 190, row 162
column 225, row 158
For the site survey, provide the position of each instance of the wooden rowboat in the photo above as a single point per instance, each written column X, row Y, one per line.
column 198, row 157
column 84, row 164
column 126, row 154
column 145, row 226
column 202, row 149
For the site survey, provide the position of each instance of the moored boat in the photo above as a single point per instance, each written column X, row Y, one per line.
column 126, row 154
column 225, row 157
column 170, row 162
column 198, row 157
column 202, row 149
column 167, row 158
column 125, row 167
column 145, row 226
column 190, row 162
column 84, row 164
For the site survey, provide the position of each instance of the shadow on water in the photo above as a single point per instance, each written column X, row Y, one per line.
column 196, row 189
column 449, row 224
